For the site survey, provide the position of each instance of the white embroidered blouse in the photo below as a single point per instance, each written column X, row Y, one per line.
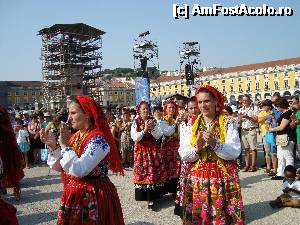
column 168, row 130
column 66, row 159
column 138, row 135
column 229, row 150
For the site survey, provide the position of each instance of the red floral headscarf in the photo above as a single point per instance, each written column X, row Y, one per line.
column 218, row 95
column 172, row 101
column 94, row 111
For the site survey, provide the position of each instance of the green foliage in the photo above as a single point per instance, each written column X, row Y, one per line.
column 118, row 71
column 153, row 72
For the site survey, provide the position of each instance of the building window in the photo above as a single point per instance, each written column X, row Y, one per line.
column 223, row 81
column 286, row 84
column 17, row 100
column 9, row 101
column 257, row 86
column 240, row 88
column 276, row 85
column 248, row 86
column 275, row 75
column 296, row 83
column 17, row 93
column 116, row 93
column 223, row 88
column 231, row 89
column 266, row 86
column 25, row 93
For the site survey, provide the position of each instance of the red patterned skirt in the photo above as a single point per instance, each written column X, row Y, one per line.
column 171, row 158
column 149, row 173
column 90, row 202
column 7, row 213
column 184, row 169
column 212, row 196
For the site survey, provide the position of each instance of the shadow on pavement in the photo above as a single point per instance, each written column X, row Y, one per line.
column 40, row 181
column 140, row 223
column 36, row 218
column 258, row 211
column 165, row 202
column 252, row 180
column 29, row 196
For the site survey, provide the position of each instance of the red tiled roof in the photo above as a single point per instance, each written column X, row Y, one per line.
column 119, row 84
column 235, row 69
column 249, row 67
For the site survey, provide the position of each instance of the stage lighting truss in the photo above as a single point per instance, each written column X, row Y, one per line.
column 145, row 54
column 189, row 54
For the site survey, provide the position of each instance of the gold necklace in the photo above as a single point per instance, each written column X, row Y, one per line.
column 79, row 140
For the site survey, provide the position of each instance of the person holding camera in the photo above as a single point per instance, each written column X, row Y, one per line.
column 247, row 116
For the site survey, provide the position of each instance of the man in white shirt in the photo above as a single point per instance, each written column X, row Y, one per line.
column 248, row 120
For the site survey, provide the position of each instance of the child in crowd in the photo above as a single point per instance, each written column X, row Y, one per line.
column 291, row 190
column 23, row 140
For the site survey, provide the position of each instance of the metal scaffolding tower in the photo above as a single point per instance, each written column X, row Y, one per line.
column 71, row 62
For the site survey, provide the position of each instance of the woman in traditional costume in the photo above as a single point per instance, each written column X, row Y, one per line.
column 11, row 171
column 170, row 144
column 185, row 130
column 149, row 174
column 89, row 197
column 213, row 193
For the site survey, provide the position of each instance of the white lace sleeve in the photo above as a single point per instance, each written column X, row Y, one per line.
column 186, row 151
column 96, row 150
column 231, row 149
column 135, row 135
column 167, row 129
column 157, row 132
column 54, row 160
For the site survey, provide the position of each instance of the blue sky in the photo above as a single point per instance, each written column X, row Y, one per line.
column 225, row 41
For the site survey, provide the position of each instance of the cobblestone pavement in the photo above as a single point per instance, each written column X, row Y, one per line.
column 41, row 193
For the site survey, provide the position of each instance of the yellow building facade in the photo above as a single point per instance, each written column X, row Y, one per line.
column 258, row 80
column 21, row 94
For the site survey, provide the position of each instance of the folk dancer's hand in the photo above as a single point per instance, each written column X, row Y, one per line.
column 64, row 135
column 209, row 138
column 148, row 125
column 48, row 139
column 200, row 142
